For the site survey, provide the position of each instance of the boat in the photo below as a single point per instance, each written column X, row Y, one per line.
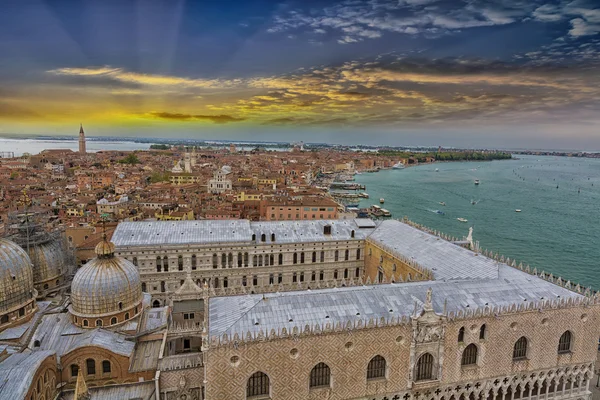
column 440, row 212
column 437, row 170
column 385, row 213
column 477, row 181
column 517, row 210
column 382, row 200
column 462, row 219
column 364, row 195
column 398, row 165
column 442, row 203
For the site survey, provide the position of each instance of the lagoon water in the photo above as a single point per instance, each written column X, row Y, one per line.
column 557, row 230
column 35, row 146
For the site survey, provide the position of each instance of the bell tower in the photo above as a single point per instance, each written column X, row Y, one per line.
column 81, row 140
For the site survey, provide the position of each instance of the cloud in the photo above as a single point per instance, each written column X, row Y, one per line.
column 121, row 75
column 581, row 27
column 217, row 119
column 359, row 20
column 548, row 13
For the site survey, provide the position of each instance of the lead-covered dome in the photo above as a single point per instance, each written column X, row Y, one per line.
column 107, row 290
column 16, row 278
column 49, row 263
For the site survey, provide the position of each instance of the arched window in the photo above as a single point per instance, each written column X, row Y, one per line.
column 352, row 233
column 156, row 304
column 215, row 260
column 74, row 370
column 166, row 263
column 461, row 334
column 85, row 322
column 98, row 322
column 258, row 385
column 271, row 259
column 320, row 376
column 272, row 237
column 424, row 369
column 36, row 343
column 482, row 332
column 106, row 367
column 245, row 259
column 230, row 260
column 143, row 286
column 263, row 238
column 280, row 261
column 469, row 356
column 90, row 365
column 240, row 260
column 135, row 261
column 520, row 349
column 163, row 287
column 347, row 255
column 336, row 255
column 376, row 368
column 322, row 258
column 180, row 263
column 223, row 260
column 158, row 264
column 314, row 256
column 253, row 237
column 194, row 261
column 295, row 258
column 113, row 320
column 126, row 316
column 302, row 258
column 358, row 254
column 564, row 343
column 120, row 305
column 260, row 260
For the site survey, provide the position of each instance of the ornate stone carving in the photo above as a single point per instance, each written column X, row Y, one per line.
column 427, row 334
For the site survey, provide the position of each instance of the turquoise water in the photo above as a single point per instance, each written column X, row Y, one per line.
column 557, row 230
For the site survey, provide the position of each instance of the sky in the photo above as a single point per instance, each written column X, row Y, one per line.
column 471, row 73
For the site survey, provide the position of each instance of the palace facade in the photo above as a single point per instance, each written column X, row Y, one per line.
column 296, row 310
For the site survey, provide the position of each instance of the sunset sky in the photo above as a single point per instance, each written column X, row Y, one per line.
column 504, row 73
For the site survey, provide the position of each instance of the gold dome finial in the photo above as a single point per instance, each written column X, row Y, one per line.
column 105, row 249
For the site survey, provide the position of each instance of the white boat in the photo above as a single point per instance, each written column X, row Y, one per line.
column 442, row 203
column 477, row 181
column 517, row 210
column 398, row 166
column 462, row 219
column 382, row 200
column 437, row 170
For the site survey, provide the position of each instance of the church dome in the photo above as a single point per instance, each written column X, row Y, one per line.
column 48, row 260
column 16, row 277
column 107, row 287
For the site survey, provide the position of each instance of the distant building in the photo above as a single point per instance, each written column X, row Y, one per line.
column 81, row 140
column 220, row 182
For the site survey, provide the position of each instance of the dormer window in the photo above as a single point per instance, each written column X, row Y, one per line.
column 327, row 230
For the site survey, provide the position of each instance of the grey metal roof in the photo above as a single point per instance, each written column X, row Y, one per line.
column 157, row 233
column 446, row 260
column 240, row 314
column 56, row 332
column 145, row 356
column 17, row 332
column 127, row 391
column 17, row 372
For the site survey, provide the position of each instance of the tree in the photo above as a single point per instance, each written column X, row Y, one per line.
column 131, row 159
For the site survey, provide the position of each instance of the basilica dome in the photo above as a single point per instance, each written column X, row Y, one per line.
column 105, row 291
column 16, row 279
column 48, row 260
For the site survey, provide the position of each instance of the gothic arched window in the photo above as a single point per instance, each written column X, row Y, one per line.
column 564, row 343
column 424, row 368
column 258, row 385
column 461, row 334
column 520, row 349
column 469, row 356
column 482, row 332
column 376, row 368
column 320, row 376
